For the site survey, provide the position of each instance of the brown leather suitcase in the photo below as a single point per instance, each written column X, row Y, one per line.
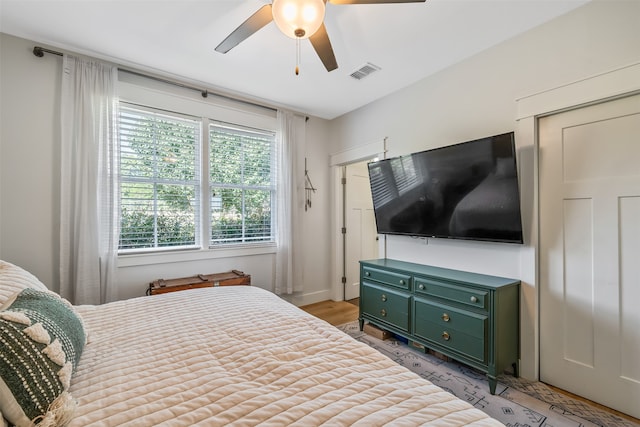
column 229, row 278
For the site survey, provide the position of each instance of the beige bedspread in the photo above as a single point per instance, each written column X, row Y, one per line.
column 241, row 356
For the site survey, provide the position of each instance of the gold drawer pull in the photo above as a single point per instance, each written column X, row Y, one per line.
column 383, row 298
column 401, row 282
column 474, row 299
column 445, row 336
column 421, row 287
column 383, row 313
column 445, row 317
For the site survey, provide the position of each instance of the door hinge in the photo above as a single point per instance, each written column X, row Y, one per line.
column 344, row 181
column 344, row 230
column 344, row 280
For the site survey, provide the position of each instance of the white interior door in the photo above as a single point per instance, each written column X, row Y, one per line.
column 361, row 238
column 590, row 252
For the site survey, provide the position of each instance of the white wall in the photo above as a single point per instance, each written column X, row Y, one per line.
column 29, row 190
column 29, row 159
column 316, row 220
column 477, row 98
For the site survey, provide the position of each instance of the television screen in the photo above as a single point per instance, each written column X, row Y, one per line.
column 463, row 191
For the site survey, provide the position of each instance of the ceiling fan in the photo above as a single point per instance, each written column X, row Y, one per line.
column 298, row 19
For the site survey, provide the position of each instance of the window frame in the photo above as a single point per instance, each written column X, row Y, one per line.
column 145, row 93
column 271, row 187
column 156, row 181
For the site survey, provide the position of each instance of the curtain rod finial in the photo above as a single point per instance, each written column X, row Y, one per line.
column 37, row 51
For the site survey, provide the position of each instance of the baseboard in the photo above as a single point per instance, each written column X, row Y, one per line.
column 308, row 298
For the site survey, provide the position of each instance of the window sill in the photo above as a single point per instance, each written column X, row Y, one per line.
column 133, row 260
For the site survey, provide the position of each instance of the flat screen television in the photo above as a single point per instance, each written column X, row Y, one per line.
column 463, row 191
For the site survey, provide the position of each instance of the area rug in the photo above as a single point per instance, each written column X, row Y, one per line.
column 517, row 402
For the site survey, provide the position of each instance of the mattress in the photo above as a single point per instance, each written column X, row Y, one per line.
column 241, row 356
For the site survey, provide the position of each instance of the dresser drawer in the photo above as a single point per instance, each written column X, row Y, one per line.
column 462, row 331
column 386, row 305
column 468, row 296
column 448, row 317
column 464, row 344
column 399, row 280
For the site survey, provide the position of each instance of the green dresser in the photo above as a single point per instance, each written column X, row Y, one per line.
column 472, row 318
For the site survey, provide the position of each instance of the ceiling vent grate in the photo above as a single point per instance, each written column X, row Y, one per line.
column 364, row 71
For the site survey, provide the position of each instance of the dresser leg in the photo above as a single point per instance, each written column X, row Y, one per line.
column 493, row 382
column 361, row 321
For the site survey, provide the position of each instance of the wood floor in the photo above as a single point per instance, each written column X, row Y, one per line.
column 341, row 312
column 334, row 312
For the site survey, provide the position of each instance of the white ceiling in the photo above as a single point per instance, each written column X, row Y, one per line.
column 176, row 38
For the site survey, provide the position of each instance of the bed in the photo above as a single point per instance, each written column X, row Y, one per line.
column 224, row 356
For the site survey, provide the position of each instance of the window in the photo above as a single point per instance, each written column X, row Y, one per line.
column 159, row 179
column 161, row 183
column 241, row 184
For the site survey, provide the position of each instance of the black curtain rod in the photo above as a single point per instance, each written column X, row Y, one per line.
column 40, row 51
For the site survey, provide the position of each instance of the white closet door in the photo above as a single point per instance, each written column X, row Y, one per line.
column 360, row 223
column 590, row 252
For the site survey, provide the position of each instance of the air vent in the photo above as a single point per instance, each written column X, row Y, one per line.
column 365, row 71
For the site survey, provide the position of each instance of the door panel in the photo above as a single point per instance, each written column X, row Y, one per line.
column 589, row 251
column 578, row 282
column 629, row 274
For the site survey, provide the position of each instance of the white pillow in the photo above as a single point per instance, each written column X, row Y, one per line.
column 14, row 279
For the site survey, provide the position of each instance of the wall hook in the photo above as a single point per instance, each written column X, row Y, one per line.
column 308, row 187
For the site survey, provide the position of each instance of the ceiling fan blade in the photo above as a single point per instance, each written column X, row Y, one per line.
column 320, row 42
column 256, row 21
column 373, row 1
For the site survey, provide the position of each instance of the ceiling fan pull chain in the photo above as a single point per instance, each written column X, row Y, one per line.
column 297, row 56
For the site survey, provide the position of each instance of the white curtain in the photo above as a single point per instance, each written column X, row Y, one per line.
column 89, row 225
column 291, row 146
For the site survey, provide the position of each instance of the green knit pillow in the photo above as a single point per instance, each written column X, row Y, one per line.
column 41, row 341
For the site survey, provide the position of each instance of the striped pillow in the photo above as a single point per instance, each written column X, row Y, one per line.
column 41, row 341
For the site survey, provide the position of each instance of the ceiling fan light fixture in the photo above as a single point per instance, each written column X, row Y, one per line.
column 298, row 19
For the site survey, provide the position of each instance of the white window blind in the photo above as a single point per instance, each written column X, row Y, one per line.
column 405, row 173
column 241, row 184
column 159, row 179
column 380, row 189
